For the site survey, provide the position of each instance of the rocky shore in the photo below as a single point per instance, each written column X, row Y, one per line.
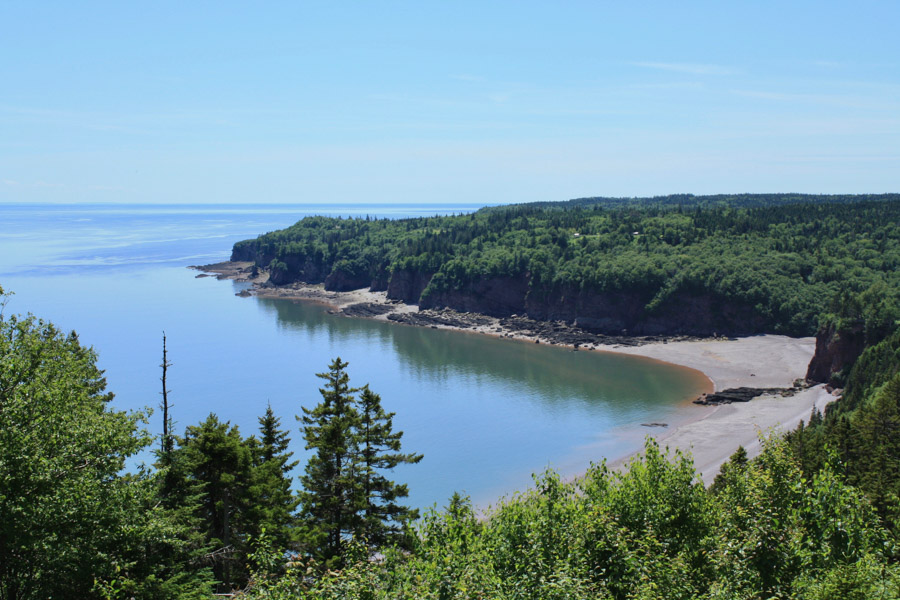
column 746, row 394
column 757, row 382
column 376, row 305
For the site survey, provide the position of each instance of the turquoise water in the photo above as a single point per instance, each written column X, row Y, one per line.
column 486, row 412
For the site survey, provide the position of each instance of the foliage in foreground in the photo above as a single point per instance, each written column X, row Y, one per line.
column 813, row 517
column 73, row 523
column 863, row 429
column 648, row 531
column 70, row 525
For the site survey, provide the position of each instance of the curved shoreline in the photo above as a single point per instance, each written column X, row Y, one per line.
column 710, row 433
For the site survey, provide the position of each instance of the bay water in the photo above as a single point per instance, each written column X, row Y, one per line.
column 486, row 412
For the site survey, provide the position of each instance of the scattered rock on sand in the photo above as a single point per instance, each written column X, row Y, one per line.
column 741, row 394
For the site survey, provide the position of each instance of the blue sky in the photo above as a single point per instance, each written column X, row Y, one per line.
column 486, row 102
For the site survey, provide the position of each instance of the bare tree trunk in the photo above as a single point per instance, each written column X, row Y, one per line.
column 167, row 434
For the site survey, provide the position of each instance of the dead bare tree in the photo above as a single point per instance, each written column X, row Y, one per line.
column 167, row 433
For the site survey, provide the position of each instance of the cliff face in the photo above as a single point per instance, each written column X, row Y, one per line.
column 603, row 312
column 243, row 251
column 380, row 282
column 407, row 285
column 835, row 349
column 611, row 313
column 498, row 297
column 298, row 269
column 680, row 313
column 341, row 281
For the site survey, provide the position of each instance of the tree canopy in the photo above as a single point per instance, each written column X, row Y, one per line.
column 71, row 524
column 779, row 263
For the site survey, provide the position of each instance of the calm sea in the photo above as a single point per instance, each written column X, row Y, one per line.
column 485, row 412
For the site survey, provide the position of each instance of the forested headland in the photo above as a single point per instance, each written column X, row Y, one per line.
column 732, row 265
column 815, row 516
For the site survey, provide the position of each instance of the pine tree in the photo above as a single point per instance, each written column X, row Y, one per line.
column 383, row 519
column 330, row 489
column 273, row 504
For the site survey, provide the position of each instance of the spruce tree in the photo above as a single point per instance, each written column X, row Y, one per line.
column 272, row 503
column 215, row 456
column 330, row 488
column 346, row 494
column 383, row 519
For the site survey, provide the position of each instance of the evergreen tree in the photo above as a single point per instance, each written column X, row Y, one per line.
column 330, row 489
column 272, row 504
column 878, row 427
column 383, row 519
column 178, row 497
column 219, row 459
column 346, row 495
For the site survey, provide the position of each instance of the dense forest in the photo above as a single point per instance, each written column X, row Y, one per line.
column 815, row 516
column 677, row 264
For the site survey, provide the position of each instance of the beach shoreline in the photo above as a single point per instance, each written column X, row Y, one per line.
column 710, row 433
column 713, row 433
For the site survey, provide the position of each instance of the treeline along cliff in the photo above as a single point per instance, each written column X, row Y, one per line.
column 731, row 265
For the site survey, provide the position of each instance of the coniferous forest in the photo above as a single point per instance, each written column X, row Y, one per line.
column 814, row 516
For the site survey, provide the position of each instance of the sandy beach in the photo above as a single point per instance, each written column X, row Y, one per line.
column 710, row 433
column 758, row 361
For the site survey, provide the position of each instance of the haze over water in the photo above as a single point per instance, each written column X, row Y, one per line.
column 485, row 412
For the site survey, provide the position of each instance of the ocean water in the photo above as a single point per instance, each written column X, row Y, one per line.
column 485, row 412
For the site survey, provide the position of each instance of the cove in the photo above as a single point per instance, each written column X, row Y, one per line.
column 488, row 412
column 485, row 412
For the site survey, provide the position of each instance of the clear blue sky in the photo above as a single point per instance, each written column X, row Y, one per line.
column 439, row 102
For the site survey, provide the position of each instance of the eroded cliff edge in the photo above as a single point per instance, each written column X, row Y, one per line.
column 678, row 265
column 638, row 312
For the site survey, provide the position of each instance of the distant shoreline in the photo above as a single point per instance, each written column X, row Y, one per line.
column 710, row 433
column 377, row 306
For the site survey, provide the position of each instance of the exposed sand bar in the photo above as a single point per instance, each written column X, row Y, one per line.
column 715, row 437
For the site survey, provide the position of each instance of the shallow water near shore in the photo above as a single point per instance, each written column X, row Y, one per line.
column 486, row 412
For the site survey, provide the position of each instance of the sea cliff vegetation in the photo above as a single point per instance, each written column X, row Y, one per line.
column 676, row 264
